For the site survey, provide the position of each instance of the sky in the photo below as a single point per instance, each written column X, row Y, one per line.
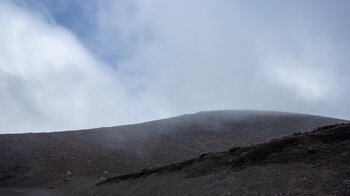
column 75, row 64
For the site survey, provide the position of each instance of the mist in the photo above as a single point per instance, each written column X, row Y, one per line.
column 73, row 65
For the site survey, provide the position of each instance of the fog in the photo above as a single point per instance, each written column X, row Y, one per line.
column 76, row 64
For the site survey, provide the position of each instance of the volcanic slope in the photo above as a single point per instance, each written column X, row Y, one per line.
column 316, row 163
column 60, row 159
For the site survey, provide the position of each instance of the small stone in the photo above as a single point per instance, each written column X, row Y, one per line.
column 234, row 149
column 311, row 151
column 68, row 173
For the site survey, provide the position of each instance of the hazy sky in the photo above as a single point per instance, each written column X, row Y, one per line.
column 73, row 64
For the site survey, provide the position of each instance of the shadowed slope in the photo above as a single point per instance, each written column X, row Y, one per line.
column 60, row 158
column 316, row 163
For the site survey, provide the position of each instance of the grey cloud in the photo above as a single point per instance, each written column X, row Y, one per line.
column 210, row 55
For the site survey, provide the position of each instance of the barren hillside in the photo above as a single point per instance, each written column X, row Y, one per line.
column 60, row 160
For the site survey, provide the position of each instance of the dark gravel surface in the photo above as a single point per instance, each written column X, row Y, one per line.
column 316, row 163
column 68, row 161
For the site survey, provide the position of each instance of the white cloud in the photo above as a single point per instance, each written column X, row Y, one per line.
column 169, row 58
column 49, row 81
column 215, row 55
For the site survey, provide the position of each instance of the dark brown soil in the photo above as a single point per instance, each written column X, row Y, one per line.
column 316, row 163
column 66, row 162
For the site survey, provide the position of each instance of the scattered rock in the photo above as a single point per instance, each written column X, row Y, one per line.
column 234, row 149
column 311, row 150
column 69, row 173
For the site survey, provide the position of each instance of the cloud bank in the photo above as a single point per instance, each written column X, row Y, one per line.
column 49, row 81
column 104, row 63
